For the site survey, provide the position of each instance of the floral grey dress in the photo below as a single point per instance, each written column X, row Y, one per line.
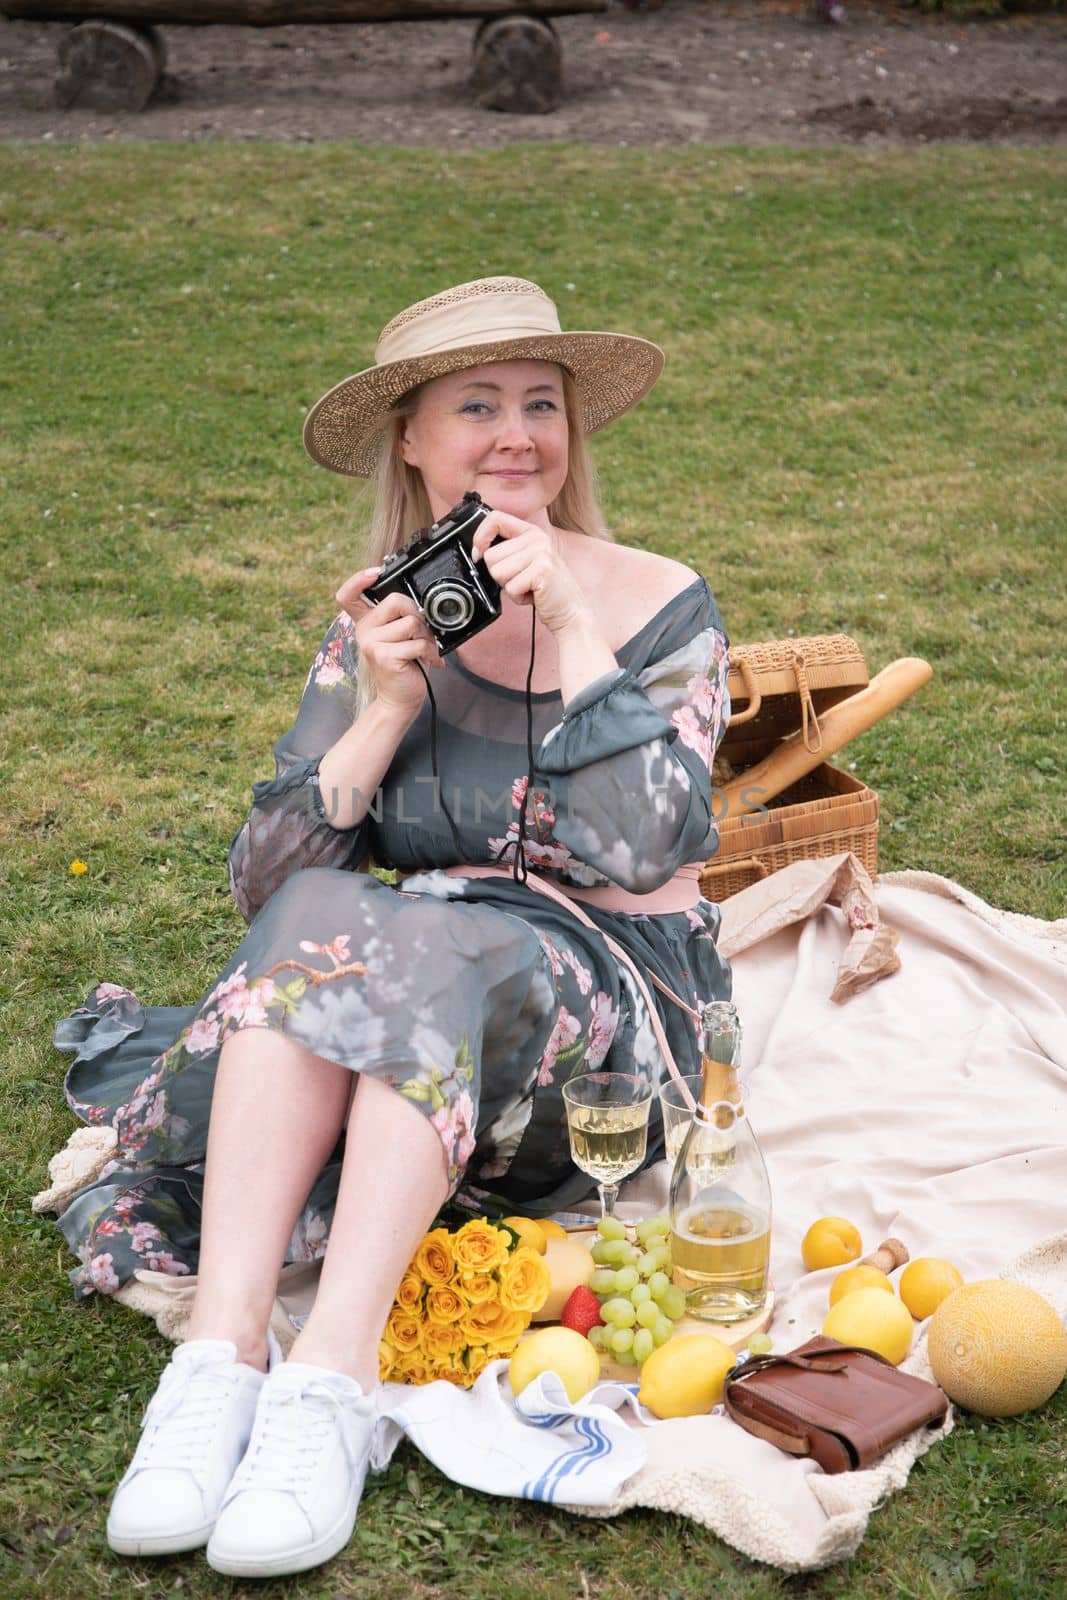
column 475, row 998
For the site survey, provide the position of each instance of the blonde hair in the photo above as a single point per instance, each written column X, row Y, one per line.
column 401, row 504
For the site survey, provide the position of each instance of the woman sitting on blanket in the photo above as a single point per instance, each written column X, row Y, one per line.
column 371, row 1050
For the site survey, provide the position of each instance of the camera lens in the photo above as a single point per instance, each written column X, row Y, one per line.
column 447, row 606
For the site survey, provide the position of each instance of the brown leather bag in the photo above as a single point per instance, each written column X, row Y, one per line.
column 840, row 1404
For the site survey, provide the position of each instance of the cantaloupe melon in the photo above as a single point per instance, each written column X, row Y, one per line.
column 997, row 1347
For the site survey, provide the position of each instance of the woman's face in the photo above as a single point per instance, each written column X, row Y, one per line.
column 500, row 429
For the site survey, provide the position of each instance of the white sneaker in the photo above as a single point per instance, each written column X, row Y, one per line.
column 293, row 1500
column 195, row 1431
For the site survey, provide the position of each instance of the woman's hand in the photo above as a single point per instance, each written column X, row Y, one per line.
column 392, row 637
column 527, row 565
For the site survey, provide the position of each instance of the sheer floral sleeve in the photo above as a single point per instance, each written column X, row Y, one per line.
column 286, row 828
column 630, row 763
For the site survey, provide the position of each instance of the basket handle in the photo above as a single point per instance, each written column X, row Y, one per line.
column 752, row 694
column 810, row 731
column 720, row 868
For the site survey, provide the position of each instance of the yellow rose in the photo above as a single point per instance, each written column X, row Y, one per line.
column 438, row 1343
column 403, row 1331
column 478, row 1287
column 510, row 1328
column 409, row 1294
column 386, row 1359
column 481, row 1321
column 413, row 1369
column 524, row 1281
column 443, row 1305
column 455, row 1375
column 434, row 1261
column 492, row 1323
column 480, row 1247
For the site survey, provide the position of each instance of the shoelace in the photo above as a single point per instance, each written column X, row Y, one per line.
column 290, row 1435
column 183, row 1417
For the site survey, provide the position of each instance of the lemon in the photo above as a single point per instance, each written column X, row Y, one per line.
column 685, row 1376
column 529, row 1232
column 873, row 1319
column 997, row 1347
column 550, row 1229
column 853, row 1278
column 925, row 1283
column 558, row 1350
column 830, row 1242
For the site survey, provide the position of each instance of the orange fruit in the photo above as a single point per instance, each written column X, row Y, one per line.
column 924, row 1283
column 529, row 1232
column 997, row 1347
column 854, row 1278
column 873, row 1319
column 830, row 1242
column 550, row 1229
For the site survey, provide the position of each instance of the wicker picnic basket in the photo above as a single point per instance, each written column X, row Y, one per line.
column 778, row 688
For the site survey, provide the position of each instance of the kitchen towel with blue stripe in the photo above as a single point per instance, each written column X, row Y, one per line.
column 539, row 1446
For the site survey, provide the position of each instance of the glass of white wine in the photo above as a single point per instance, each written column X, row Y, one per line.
column 678, row 1098
column 607, row 1119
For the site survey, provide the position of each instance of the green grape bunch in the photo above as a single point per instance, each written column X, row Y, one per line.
column 638, row 1301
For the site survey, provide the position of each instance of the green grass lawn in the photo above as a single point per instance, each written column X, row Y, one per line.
column 859, row 429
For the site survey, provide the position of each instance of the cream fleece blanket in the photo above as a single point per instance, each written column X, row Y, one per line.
column 932, row 1106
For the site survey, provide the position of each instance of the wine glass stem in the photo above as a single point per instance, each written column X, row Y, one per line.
column 609, row 1193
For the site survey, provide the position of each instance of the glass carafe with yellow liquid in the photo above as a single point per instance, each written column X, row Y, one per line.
column 720, row 1203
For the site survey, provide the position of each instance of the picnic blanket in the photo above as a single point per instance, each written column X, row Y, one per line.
column 931, row 1106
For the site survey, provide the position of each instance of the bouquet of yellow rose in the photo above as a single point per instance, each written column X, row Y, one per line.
column 465, row 1300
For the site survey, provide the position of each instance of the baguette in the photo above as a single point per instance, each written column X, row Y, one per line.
column 792, row 760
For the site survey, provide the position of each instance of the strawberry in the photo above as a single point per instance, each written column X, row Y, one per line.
column 582, row 1311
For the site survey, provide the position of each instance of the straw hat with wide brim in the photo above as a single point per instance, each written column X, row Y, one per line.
column 491, row 319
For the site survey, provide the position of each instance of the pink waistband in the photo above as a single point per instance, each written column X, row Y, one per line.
column 680, row 893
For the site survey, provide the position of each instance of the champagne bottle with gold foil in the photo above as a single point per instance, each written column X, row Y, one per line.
column 720, row 1201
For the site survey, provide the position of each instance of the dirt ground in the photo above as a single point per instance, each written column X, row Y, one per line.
column 715, row 71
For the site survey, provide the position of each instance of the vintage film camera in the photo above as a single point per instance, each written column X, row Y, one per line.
column 455, row 593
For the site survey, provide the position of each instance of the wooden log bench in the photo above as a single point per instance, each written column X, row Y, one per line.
column 113, row 58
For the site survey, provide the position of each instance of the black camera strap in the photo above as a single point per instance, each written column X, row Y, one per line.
column 520, row 843
column 520, row 869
